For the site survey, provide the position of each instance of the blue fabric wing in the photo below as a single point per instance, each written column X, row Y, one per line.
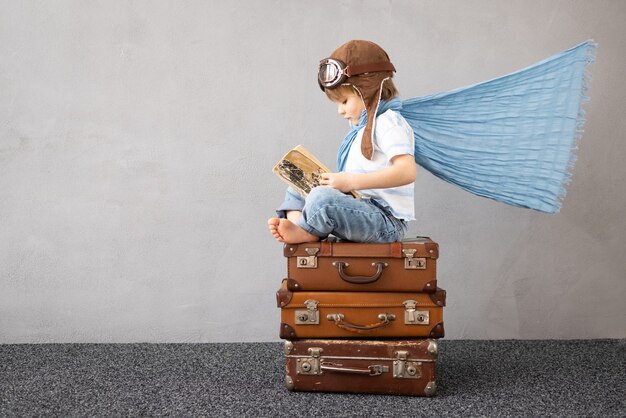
column 513, row 138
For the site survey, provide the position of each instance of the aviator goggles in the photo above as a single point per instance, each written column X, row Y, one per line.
column 333, row 72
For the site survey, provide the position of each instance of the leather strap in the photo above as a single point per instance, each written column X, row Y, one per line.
column 326, row 249
column 368, row 68
column 396, row 249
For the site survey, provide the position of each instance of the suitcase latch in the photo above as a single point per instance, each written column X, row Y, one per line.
column 413, row 263
column 405, row 369
column 310, row 261
column 309, row 317
column 413, row 316
column 310, row 365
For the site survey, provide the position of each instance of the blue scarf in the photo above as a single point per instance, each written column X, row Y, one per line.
column 512, row 139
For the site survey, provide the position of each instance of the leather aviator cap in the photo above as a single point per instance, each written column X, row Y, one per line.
column 360, row 56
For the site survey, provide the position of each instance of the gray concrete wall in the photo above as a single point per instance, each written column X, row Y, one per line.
column 137, row 140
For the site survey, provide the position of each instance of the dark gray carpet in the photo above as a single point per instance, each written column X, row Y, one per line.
column 476, row 378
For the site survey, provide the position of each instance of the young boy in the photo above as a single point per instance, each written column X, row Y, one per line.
column 375, row 158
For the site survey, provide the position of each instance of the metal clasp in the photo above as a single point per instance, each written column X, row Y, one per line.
column 413, row 316
column 309, row 317
column 413, row 263
column 405, row 369
column 377, row 369
column 308, row 262
column 310, row 365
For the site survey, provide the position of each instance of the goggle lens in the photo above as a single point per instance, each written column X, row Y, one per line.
column 330, row 73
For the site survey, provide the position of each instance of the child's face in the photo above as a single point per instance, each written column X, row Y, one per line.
column 349, row 106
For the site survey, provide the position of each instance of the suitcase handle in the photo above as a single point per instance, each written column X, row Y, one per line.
column 385, row 319
column 359, row 279
column 373, row 370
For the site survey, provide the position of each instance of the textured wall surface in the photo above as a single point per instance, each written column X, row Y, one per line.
column 137, row 140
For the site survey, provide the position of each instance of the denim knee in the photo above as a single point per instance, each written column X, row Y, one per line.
column 315, row 216
column 322, row 196
column 329, row 211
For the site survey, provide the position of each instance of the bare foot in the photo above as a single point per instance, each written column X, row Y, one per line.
column 288, row 232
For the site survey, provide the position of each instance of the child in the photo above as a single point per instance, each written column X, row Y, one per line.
column 512, row 139
column 376, row 158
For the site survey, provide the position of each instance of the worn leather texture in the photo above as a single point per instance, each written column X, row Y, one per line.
column 359, row 262
column 392, row 367
column 360, row 314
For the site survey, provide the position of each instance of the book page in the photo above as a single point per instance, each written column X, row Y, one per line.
column 301, row 170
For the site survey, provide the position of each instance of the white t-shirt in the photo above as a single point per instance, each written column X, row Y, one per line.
column 392, row 136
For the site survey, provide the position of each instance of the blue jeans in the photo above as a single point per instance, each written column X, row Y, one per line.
column 328, row 211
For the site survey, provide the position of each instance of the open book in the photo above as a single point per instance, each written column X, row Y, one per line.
column 301, row 170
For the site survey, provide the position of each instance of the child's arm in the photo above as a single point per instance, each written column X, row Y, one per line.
column 402, row 171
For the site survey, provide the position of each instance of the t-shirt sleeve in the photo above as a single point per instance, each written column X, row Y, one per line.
column 394, row 136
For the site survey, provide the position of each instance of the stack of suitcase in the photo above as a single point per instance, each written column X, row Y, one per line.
column 361, row 318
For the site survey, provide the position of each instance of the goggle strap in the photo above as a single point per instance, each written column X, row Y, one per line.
column 351, row 70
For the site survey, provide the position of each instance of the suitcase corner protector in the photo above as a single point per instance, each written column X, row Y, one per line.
column 287, row 332
column 283, row 295
column 437, row 331
column 288, row 249
column 289, row 383
column 431, row 388
column 430, row 287
column 292, row 285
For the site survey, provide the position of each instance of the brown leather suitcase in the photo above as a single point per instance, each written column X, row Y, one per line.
column 391, row 367
column 360, row 314
column 407, row 266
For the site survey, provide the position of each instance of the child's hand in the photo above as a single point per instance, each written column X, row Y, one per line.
column 343, row 182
